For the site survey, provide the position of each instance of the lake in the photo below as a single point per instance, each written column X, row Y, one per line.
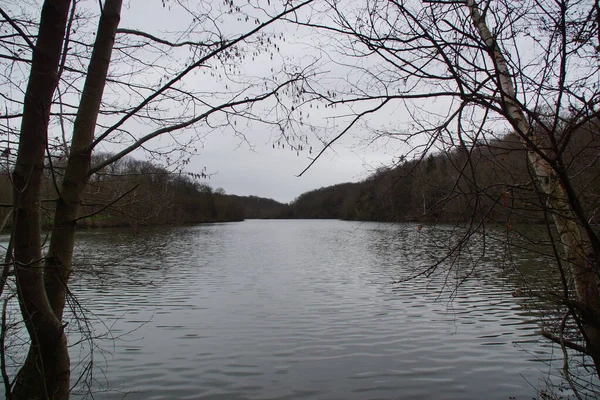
column 302, row 309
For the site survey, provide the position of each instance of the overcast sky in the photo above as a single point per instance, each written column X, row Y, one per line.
column 261, row 170
column 251, row 167
column 139, row 66
column 269, row 172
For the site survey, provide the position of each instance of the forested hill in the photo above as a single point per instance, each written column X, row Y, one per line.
column 134, row 193
column 490, row 180
column 261, row 208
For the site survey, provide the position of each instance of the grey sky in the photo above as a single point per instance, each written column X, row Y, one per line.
column 252, row 168
column 262, row 170
column 269, row 172
column 345, row 66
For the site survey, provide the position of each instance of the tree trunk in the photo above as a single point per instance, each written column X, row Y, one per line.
column 60, row 253
column 582, row 268
column 45, row 374
column 58, row 262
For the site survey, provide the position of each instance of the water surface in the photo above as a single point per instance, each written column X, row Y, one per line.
column 299, row 310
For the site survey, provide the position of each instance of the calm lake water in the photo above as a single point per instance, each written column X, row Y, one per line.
column 300, row 310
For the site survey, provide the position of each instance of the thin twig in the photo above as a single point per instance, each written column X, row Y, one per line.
column 5, row 377
column 17, row 28
column 109, row 204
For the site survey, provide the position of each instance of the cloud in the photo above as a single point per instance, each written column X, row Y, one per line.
column 267, row 172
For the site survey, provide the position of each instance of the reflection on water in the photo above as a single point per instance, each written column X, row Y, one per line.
column 301, row 310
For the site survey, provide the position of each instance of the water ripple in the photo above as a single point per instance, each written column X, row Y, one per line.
column 299, row 310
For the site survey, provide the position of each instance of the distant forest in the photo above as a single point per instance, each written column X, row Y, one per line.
column 135, row 193
column 490, row 180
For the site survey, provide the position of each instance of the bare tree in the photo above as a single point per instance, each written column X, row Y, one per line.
column 119, row 92
column 460, row 74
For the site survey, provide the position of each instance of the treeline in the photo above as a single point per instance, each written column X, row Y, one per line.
column 132, row 192
column 135, row 193
column 490, row 180
column 261, row 208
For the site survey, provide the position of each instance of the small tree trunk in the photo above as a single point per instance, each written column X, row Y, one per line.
column 46, row 372
column 582, row 268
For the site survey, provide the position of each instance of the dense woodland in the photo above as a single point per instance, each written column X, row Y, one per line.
column 490, row 179
column 135, row 193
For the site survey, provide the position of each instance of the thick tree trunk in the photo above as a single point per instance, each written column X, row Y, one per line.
column 46, row 372
column 60, row 252
column 581, row 266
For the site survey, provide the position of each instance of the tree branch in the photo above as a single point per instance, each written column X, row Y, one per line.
column 17, row 28
column 109, row 204
column 190, row 68
column 162, row 41
column 184, row 124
